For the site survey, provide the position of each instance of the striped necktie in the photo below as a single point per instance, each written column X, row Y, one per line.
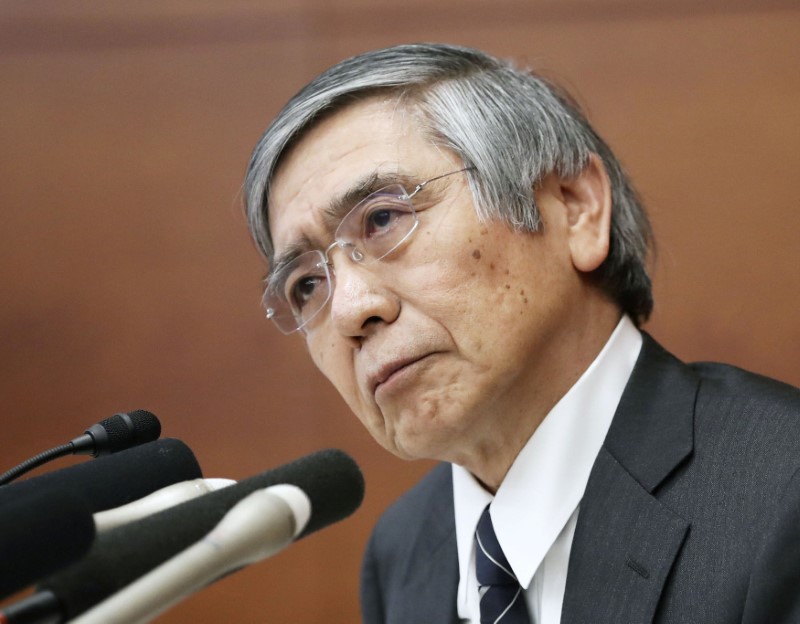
column 502, row 598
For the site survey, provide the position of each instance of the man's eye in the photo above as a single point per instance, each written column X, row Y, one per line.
column 303, row 290
column 382, row 219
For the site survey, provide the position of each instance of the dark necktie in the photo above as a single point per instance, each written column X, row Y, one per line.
column 502, row 598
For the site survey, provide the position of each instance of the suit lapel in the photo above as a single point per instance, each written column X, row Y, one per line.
column 623, row 550
column 626, row 540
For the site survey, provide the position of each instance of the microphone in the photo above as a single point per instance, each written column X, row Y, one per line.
column 115, row 480
column 157, row 501
column 117, row 433
column 41, row 533
column 331, row 480
column 257, row 527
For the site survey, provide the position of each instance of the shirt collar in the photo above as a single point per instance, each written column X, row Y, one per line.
column 546, row 482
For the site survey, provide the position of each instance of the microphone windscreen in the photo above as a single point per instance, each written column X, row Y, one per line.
column 330, row 478
column 114, row 480
column 41, row 533
column 132, row 428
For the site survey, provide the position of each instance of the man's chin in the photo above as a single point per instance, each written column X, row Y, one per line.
column 418, row 445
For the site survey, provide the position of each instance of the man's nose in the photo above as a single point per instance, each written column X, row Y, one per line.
column 361, row 300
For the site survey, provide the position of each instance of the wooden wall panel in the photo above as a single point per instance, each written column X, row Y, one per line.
column 128, row 279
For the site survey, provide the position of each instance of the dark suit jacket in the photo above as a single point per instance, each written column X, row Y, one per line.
column 691, row 513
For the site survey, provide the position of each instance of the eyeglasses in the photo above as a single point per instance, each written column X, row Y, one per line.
column 373, row 229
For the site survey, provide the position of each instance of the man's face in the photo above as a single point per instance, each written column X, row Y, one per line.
column 445, row 347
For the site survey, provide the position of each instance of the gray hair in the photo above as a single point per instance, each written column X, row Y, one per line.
column 511, row 126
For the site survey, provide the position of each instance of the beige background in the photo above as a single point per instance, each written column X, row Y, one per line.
column 128, row 279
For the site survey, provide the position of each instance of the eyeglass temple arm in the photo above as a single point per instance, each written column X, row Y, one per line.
column 422, row 185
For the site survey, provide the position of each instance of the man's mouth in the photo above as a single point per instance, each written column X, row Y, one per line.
column 387, row 371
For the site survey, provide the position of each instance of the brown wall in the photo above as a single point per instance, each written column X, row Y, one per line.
column 128, row 279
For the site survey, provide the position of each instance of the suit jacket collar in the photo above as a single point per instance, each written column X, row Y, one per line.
column 653, row 428
column 626, row 541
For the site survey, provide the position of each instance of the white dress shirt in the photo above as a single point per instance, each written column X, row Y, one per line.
column 535, row 509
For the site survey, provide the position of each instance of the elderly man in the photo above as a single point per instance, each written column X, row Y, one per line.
column 465, row 259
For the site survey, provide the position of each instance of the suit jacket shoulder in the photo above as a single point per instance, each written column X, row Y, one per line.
column 688, row 499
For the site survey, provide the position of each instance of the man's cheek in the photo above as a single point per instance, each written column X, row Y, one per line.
column 343, row 378
column 325, row 358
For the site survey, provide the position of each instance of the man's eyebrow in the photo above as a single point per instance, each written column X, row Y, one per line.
column 288, row 255
column 343, row 203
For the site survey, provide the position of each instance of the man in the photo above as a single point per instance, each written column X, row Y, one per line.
column 466, row 260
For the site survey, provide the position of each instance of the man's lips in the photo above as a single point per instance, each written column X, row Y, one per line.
column 388, row 369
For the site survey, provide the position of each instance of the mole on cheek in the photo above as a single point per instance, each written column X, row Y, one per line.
column 476, row 253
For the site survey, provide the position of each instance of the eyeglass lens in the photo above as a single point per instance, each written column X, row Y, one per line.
column 374, row 228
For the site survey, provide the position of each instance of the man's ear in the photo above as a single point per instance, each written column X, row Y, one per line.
column 587, row 198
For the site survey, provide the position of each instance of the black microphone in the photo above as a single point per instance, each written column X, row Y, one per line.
column 40, row 533
column 330, row 478
column 114, row 480
column 117, row 433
